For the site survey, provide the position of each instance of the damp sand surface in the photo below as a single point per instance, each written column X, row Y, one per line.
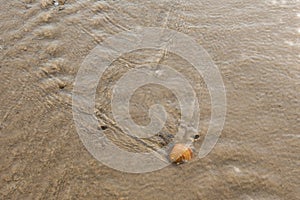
column 255, row 45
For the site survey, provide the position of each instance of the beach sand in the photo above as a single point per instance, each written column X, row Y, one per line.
column 255, row 45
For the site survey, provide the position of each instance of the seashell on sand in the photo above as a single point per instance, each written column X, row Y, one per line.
column 180, row 153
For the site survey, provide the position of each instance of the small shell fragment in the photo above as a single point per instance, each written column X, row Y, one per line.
column 180, row 153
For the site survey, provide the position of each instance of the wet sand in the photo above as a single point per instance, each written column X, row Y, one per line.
column 255, row 45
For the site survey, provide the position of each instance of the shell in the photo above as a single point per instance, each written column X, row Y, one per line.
column 180, row 153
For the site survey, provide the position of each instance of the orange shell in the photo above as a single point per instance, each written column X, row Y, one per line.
column 180, row 153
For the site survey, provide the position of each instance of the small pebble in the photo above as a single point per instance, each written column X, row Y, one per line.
column 196, row 137
column 103, row 127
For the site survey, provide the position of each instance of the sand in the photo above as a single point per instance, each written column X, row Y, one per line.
column 255, row 45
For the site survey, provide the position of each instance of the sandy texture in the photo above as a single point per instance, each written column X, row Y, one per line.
column 255, row 44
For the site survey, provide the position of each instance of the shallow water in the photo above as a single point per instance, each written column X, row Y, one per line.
column 255, row 45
